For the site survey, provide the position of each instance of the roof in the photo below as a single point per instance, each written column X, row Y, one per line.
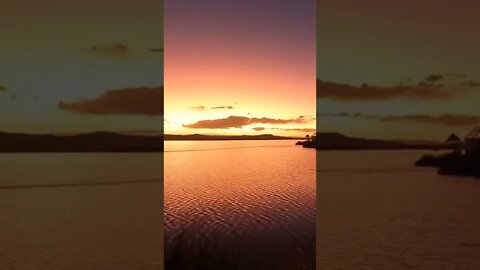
column 474, row 134
column 452, row 138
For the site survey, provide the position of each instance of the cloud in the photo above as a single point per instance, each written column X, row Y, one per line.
column 434, row 77
column 287, row 129
column 203, row 108
column 430, row 85
column 298, row 129
column 156, row 50
column 472, row 84
column 346, row 114
column 240, row 121
column 115, row 49
column 222, row 107
column 229, row 122
column 445, row 119
column 140, row 101
column 265, row 120
column 430, row 80
column 344, row 92
column 198, row 108
column 439, row 77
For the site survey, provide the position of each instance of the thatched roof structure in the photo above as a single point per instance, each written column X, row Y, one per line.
column 453, row 138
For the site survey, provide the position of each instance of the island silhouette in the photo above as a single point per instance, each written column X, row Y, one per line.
column 89, row 142
column 462, row 161
column 338, row 141
column 104, row 141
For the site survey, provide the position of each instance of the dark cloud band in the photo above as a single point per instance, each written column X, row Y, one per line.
column 141, row 101
column 240, row 121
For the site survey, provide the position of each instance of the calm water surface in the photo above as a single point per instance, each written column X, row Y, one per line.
column 48, row 223
column 378, row 211
column 250, row 204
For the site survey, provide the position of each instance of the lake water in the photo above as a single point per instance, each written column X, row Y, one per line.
column 247, row 202
column 251, row 200
column 239, row 205
column 81, row 211
column 377, row 211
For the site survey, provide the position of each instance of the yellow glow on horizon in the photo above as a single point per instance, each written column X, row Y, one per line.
column 260, row 69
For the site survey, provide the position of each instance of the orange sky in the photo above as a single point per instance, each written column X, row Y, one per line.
column 387, row 44
column 70, row 51
column 241, row 68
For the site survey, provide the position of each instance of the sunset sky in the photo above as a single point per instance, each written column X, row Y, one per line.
column 385, row 69
column 80, row 66
column 240, row 67
column 391, row 48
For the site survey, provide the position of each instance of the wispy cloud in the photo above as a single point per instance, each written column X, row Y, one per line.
column 156, row 50
column 346, row 114
column 113, row 50
column 472, row 84
column 222, row 107
column 344, row 92
column 258, row 128
column 432, row 87
column 445, row 119
column 204, row 108
column 434, row 77
column 308, row 130
column 198, row 108
column 141, row 101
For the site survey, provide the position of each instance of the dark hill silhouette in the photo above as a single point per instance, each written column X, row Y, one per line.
column 200, row 137
column 90, row 142
column 454, row 163
column 116, row 142
column 104, row 142
column 337, row 141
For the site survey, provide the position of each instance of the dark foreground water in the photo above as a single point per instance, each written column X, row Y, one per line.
column 239, row 205
column 81, row 211
column 378, row 211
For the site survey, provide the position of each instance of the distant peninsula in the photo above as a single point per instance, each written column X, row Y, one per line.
column 88, row 142
column 337, row 141
column 102, row 141
column 105, row 142
column 200, row 137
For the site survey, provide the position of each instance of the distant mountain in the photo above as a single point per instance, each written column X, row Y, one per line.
column 90, row 142
column 116, row 142
column 105, row 141
column 200, row 137
column 337, row 141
